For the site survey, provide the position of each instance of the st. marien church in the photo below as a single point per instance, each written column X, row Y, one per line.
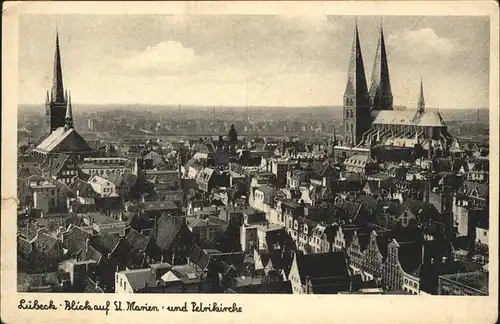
column 370, row 120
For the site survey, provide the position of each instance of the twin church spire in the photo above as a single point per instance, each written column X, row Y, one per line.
column 379, row 93
column 380, row 89
column 361, row 103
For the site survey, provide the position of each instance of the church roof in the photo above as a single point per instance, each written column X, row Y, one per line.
column 409, row 117
column 63, row 140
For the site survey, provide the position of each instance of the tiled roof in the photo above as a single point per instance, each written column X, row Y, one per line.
column 136, row 241
column 69, row 137
column 137, row 278
column 171, row 228
column 90, row 253
column 45, row 243
column 125, row 178
column 74, row 240
column 409, row 117
column 92, row 287
column 24, row 247
column 105, row 243
column 421, row 209
column 64, row 189
column 80, row 186
column 57, row 163
column 199, row 256
column 157, row 158
column 322, row 265
column 359, row 160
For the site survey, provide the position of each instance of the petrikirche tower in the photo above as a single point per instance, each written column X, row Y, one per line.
column 357, row 119
column 56, row 103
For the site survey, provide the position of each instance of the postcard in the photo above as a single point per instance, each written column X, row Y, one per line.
column 220, row 161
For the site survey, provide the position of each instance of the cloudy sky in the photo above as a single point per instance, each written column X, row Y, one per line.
column 254, row 59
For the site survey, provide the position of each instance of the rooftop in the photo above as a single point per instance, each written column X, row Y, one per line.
column 475, row 280
column 409, row 117
column 100, row 218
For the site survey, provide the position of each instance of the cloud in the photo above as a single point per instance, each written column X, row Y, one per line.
column 166, row 57
column 421, row 44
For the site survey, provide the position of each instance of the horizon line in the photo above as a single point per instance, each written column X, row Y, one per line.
column 402, row 107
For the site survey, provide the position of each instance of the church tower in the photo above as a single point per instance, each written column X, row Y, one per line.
column 56, row 103
column 421, row 101
column 357, row 119
column 380, row 88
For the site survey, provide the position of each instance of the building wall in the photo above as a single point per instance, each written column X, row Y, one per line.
column 104, row 188
column 372, row 259
column 451, row 287
column 206, row 234
column 104, row 169
column 411, row 284
column 482, row 235
column 112, row 228
column 294, row 277
column 392, row 275
column 405, row 217
column 461, row 216
column 248, row 238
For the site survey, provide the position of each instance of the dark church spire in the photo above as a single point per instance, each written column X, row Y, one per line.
column 57, row 92
column 232, row 134
column 357, row 119
column 69, row 113
column 356, row 78
column 380, row 88
column 421, row 101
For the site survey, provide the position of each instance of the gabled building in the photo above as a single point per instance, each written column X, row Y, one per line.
column 102, row 186
column 62, row 167
column 320, row 273
column 207, row 179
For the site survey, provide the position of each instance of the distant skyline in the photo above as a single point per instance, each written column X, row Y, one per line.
column 259, row 60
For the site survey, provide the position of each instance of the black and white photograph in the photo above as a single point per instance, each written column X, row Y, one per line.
column 284, row 154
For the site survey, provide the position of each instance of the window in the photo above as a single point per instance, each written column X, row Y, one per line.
column 125, row 285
